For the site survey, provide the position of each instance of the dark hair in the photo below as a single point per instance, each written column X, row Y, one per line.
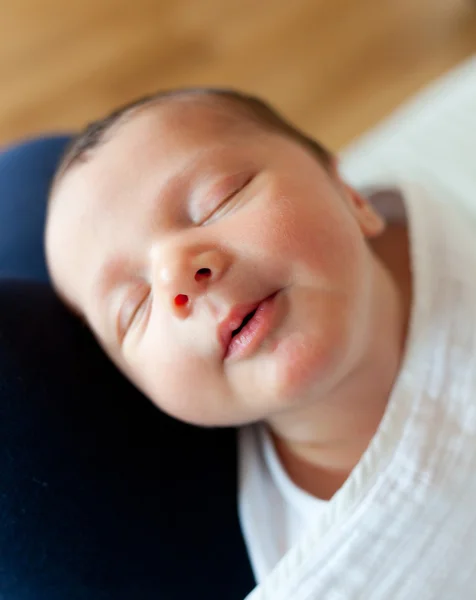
column 94, row 133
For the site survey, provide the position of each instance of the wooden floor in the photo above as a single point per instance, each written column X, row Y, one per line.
column 335, row 67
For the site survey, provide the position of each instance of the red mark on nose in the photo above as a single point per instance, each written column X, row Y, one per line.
column 181, row 299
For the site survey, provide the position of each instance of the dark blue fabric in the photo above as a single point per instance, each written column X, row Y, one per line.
column 102, row 496
column 25, row 174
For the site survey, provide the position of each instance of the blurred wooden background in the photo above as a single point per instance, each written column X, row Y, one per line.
column 335, row 67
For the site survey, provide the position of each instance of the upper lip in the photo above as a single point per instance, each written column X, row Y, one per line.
column 233, row 321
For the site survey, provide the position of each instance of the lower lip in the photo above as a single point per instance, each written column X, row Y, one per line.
column 255, row 331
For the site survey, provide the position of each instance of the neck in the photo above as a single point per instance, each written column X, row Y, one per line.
column 320, row 444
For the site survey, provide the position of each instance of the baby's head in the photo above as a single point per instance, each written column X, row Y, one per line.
column 215, row 253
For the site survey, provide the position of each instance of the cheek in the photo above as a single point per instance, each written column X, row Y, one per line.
column 316, row 344
column 309, row 231
column 182, row 384
column 273, row 223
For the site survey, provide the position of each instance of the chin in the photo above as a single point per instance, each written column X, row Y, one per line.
column 199, row 414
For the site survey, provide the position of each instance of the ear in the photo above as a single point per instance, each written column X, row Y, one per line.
column 371, row 223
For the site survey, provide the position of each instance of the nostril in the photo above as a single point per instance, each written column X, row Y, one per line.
column 202, row 274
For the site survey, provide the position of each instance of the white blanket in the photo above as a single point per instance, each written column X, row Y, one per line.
column 431, row 138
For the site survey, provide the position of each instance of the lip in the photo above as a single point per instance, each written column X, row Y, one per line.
column 252, row 334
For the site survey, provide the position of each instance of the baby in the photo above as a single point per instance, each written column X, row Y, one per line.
column 229, row 272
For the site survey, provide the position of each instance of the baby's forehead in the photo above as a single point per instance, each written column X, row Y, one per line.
column 157, row 141
column 161, row 138
column 167, row 134
column 160, row 126
column 198, row 116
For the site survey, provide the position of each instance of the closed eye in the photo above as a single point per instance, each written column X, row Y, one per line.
column 223, row 203
column 134, row 310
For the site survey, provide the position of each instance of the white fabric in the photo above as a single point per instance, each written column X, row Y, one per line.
column 403, row 526
column 431, row 139
column 274, row 512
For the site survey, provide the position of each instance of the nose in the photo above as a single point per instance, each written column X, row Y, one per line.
column 185, row 274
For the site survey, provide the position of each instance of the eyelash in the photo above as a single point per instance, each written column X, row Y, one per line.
column 135, row 313
column 227, row 199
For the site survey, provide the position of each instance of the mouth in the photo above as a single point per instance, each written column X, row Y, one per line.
column 246, row 327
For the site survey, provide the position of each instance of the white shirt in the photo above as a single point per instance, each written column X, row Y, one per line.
column 403, row 526
column 273, row 510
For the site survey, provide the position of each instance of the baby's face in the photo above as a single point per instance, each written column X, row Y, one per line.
column 186, row 221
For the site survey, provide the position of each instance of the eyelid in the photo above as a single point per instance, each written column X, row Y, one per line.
column 133, row 302
column 218, row 194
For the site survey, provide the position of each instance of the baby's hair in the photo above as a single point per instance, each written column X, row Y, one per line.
column 95, row 133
